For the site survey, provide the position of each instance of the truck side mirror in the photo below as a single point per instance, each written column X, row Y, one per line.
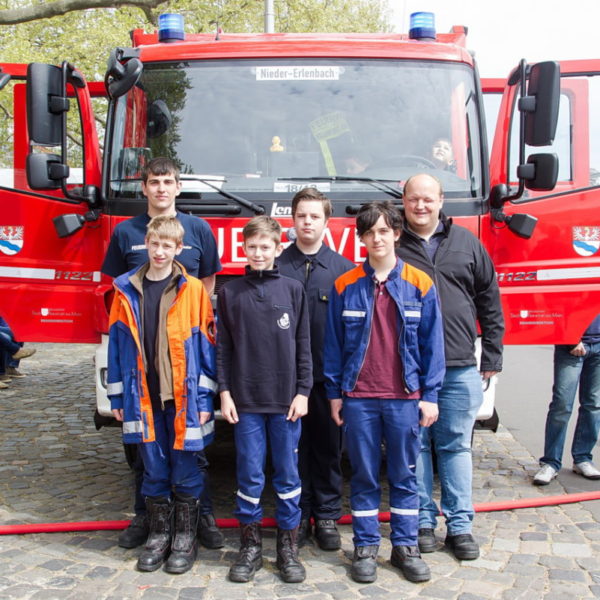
column 46, row 103
column 541, row 171
column 45, row 171
column 541, row 103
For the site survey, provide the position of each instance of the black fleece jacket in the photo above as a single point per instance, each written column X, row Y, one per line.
column 466, row 282
column 263, row 341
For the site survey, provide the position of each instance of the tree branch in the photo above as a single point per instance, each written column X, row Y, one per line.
column 14, row 16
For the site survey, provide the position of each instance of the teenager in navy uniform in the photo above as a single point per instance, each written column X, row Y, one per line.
column 317, row 266
column 384, row 366
column 265, row 377
column 127, row 250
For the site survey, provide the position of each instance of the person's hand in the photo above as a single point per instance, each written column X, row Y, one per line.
column 429, row 413
column 204, row 417
column 579, row 350
column 118, row 413
column 488, row 374
column 228, row 409
column 298, row 408
column 336, row 411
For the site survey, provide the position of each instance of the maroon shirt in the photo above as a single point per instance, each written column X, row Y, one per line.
column 382, row 375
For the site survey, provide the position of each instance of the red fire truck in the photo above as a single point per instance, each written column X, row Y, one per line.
column 251, row 119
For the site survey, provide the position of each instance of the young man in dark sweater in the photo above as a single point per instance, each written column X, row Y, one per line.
column 317, row 266
column 265, row 376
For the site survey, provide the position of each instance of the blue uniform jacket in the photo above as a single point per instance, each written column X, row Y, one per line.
column 420, row 335
column 190, row 334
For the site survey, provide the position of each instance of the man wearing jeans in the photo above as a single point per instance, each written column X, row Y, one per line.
column 574, row 366
column 464, row 276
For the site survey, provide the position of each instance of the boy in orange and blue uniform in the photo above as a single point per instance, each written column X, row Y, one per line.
column 161, row 381
column 384, row 365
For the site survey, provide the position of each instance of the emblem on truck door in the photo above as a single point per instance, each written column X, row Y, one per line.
column 11, row 238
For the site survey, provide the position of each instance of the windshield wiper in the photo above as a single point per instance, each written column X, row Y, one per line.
column 259, row 210
column 376, row 183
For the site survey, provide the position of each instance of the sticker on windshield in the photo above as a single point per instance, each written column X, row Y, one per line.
column 298, row 73
column 293, row 187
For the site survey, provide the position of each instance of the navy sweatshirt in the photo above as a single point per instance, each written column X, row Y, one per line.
column 263, row 341
column 317, row 274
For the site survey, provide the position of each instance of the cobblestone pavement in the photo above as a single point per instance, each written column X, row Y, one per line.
column 56, row 467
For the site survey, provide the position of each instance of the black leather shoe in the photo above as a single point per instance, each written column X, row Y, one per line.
column 427, row 541
column 408, row 560
column 364, row 564
column 463, row 546
column 327, row 535
column 136, row 533
column 209, row 534
column 304, row 532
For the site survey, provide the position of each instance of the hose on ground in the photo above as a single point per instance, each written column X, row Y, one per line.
column 384, row 517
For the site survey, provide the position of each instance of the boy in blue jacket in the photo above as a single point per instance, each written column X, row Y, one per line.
column 384, row 364
column 161, row 381
column 265, row 376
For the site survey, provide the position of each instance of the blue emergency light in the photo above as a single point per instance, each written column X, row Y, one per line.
column 170, row 27
column 422, row 26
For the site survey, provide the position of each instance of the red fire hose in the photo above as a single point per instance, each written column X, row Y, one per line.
column 346, row 519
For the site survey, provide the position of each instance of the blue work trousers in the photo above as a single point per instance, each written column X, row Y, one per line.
column 166, row 469
column 250, row 435
column 569, row 373
column 368, row 422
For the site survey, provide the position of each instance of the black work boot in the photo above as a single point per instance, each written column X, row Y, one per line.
column 364, row 564
column 136, row 533
column 288, row 563
column 209, row 534
column 249, row 559
column 184, row 547
column 327, row 535
column 408, row 560
column 158, row 544
column 304, row 532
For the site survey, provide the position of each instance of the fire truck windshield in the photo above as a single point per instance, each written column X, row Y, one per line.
column 264, row 128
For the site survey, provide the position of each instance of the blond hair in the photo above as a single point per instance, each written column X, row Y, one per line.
column 166, row 227
column 263, row 225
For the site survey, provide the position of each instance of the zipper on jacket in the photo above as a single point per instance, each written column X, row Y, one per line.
column 368, row 338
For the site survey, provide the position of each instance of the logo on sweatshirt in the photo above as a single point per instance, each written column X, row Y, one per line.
column 284, row 321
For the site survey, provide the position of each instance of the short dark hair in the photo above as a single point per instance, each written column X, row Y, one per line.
column 369, row 214
column 160, row 165
column 311, row 193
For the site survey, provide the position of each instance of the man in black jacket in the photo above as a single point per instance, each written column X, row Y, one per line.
column 468, row 290
column 317, row 267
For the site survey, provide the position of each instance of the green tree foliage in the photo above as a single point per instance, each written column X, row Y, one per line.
column 85, row 37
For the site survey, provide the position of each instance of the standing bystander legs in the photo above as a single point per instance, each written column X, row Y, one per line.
column 384, row 365
column 127, row 250
column 316, row 266
column 468, row 290
column 574, row 366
